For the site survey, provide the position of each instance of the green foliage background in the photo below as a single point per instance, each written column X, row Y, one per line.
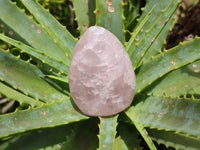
column 35, row 54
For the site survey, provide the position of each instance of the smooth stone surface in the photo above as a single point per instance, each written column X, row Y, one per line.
column 101, row 76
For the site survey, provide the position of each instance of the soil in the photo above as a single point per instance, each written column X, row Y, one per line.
column 187, row 28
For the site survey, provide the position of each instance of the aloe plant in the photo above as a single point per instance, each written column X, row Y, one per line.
column 165, row 108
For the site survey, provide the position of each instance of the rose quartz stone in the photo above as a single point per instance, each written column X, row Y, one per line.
column 101, row 76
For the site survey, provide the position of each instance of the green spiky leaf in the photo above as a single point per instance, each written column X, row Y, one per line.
column 49, row 115
column 107, row 132
column 138, row 124
column 109, row 15
column 181, row 82
column 84, row 11
column 60, row 35
column 176, row 140
column 62, row 137
column 21, row 98
column 170, row 114
column 58, row 64
column 29, row 30
column 166, row 62
column 127, row 137
column 27, row 78
column 139, row 45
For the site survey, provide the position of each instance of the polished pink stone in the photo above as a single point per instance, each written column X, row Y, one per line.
column 101, row 76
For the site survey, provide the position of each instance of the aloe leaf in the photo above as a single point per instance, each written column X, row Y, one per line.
column 157, row 45
column 58, row 33
column 6, row 141
column 48, row 115
column 84, row 11
column 180, row 82
column 138, row 29
column 166, row 62
column 138, row 124
column 127, row 138
column 84, row 138
column 15, row 95
column 109, row 15
column 160, row 7
column 58, row 64
column 170, row 114
column 131, row 12
column 41, row 139
column 173, row 139
column 107, row 132
column 141, row 44
column 29, row 30
column 27, row 78
column 6, row 30
column 62, row 79
column 66, row 137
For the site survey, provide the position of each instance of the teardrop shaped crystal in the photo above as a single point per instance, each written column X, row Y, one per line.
column 101, row 77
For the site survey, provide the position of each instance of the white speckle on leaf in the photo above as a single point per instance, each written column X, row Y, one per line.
column 11, row 32
column 173, row 88
column 84, row 27
column 103, row 146
column 159, row 115
column 2, row 25
column 109, row 2
column 194, row 65
column 59, row 145
column 98, row 11
column 196, row 70
column 32, row 26
column 39, row 30
column 137, row 38
column 147, row 133
column 43, row 112
column 173, row 62
column 111, row 9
